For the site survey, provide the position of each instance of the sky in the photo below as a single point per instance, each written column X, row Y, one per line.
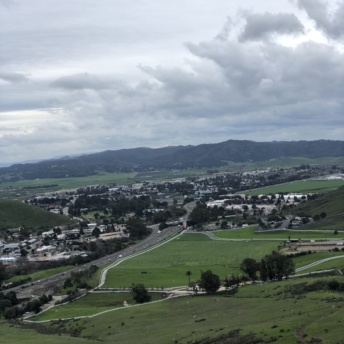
column 86, row 76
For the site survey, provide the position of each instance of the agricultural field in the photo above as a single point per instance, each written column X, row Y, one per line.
column 166, row 266
column 25, row 188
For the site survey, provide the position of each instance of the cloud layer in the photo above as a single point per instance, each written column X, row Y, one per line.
column 87, row 81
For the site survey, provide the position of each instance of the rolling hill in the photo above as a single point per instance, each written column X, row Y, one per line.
column 18, row 214
column 178, row 157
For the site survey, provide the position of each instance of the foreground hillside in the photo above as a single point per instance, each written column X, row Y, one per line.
column 19, row 214
column 306, row 310
column 180, row 157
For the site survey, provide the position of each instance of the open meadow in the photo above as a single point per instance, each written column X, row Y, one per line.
column 166, row 266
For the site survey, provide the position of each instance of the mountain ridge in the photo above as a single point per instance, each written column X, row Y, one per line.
column 172, row 157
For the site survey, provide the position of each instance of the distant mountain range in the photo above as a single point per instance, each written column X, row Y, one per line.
column 177, row 157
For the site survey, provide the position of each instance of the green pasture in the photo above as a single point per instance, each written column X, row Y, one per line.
column 38, row 185
column 250, row 233
column 41, row 274
column 88, row 305
column 337, row 263
column 265, row 310
column 304, row 186
column 166, row 266
column 332, row 264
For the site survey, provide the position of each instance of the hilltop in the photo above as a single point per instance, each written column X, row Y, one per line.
column 18, row 214
column 178, row 157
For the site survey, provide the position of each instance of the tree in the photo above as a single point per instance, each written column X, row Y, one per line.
column 210, row 282
column 250, row 267
column 2, row 273
column 275, row 266
column 140, row 293
column 96, row 232
column 188, row 273
column 137, row 228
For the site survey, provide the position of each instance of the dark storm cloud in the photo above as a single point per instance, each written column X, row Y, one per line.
column 262, row 26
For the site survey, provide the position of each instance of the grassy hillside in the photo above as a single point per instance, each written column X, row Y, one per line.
column 17, row 214
column 330, row 203
column 282, row 312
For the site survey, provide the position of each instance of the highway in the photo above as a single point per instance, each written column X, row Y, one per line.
column 47, row 284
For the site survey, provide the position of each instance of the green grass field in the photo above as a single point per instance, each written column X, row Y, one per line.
column 20, row 189
column 90, row 304
column 310, row 258
column 166, row 266
column 319, row 186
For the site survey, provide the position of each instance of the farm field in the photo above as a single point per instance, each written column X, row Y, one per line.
column 166, row 266
column 267, row 310
column 305, row 186
column 25, row 188
column 28, row 187
column 249, row 233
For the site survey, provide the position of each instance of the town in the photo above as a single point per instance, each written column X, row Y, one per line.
column 106, row 219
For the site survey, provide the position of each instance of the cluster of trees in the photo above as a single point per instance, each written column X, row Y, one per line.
column 274, row 266
column 202, row 214
column 11, row 309
column 140, row 293
column 78, row 279
column 7, row 301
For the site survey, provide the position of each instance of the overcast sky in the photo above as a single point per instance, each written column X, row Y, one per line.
column 85, row 76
